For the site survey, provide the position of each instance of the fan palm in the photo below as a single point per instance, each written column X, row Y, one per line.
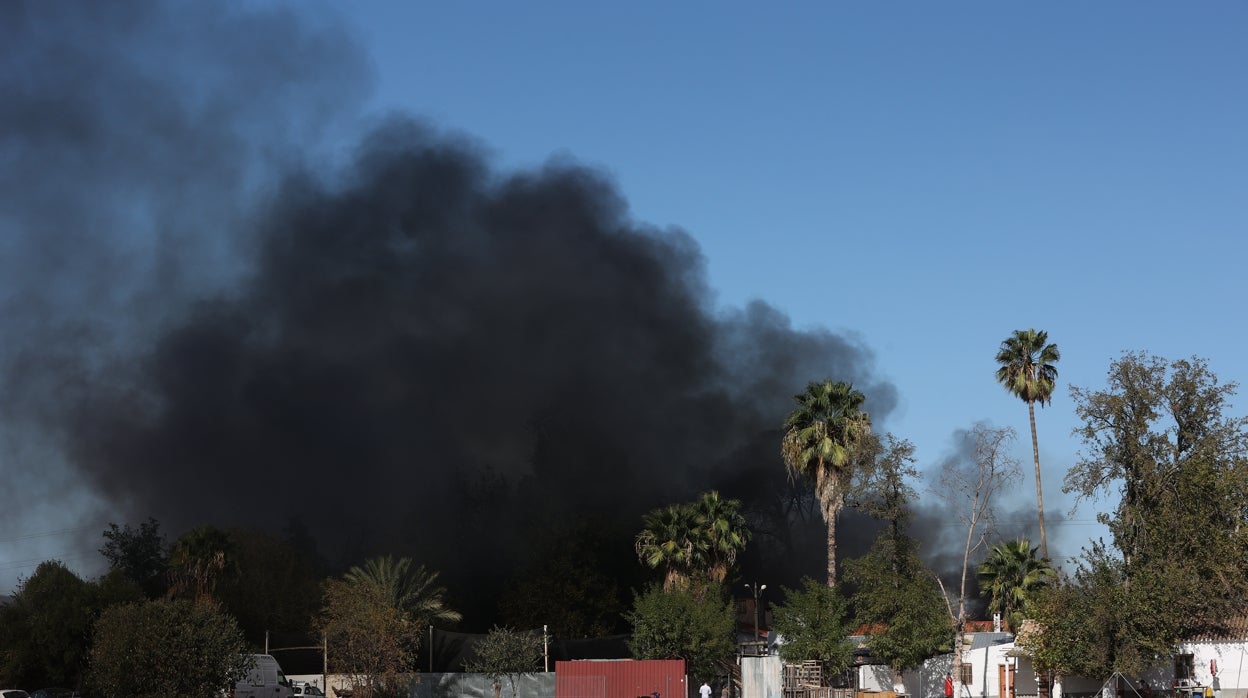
column 1025, row 368
column 822, row 437
column 724, row 530
column 1010, row 577
column 670, row 540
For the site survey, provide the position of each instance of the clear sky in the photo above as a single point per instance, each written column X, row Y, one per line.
column 926, row 176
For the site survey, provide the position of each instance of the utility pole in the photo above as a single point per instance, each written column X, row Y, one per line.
column 758, row 590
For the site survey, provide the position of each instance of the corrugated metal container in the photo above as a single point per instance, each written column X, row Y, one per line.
column 621, row 678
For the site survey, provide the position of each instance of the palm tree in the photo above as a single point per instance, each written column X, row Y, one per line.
column 821, row 441
column 725, row 532
column 198, row 559
column 670, row 540
column 1027, row 371
column 411, row 591
column 1010, row 577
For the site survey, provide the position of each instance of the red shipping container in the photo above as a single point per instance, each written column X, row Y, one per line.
column 620, row 678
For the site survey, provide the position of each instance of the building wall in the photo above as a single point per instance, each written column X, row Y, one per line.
column 986, row 663
column 1231, row 680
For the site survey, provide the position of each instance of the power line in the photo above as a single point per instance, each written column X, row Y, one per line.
column 47, row 534
column 36, row 561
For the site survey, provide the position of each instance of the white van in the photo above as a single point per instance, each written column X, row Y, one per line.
column 264, row 680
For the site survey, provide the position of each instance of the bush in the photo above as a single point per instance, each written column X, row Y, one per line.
column 157, row 649
column 682, row 624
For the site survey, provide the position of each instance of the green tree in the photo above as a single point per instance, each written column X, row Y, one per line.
column 139, row 554
column 678, row 624
column 1158, row 437
column 898, row 600
column 156, row 649
column 369, row 638
column 374, row 618
column 507, row 654
column 566, row 583
column 822, row 441
column 46, row 630
column 1025, row 368
column 276, row 586
column 1077, row 625
column 1011, row 576
column 814, row 622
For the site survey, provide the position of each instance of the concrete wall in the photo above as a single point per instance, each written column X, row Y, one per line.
column 452, row 685
column 762, row 677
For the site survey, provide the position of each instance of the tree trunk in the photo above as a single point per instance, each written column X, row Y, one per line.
column 1035, row 452
column 831, row 517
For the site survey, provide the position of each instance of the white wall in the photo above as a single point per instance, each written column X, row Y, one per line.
column 875, row 677
column 929, row 682
column 1231, row 680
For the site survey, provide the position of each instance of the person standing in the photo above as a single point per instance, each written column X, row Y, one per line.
column 705, row 691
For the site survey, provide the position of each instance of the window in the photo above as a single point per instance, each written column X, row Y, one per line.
column 966, row 674
column 1184, row 667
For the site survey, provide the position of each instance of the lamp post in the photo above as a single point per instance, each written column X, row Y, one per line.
column 758, row 590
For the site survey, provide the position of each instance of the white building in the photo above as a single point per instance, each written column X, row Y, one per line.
column 993, row 664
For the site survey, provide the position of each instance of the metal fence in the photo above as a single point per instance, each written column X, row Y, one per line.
column 463, row 685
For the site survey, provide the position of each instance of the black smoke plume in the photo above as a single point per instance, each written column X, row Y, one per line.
column 208, row 320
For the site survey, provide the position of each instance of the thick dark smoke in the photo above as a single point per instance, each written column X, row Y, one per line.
column 133, row 139
column 415, row 353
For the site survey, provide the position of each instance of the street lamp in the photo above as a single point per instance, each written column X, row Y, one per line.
column 757, row 589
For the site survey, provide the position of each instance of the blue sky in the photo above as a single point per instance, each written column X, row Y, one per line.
column 927, row 176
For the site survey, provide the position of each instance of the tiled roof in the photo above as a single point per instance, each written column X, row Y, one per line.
column 1235, row 629
column 985, row 626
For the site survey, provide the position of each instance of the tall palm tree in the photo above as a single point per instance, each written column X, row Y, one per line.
column 1010, row 576
column 822, row 437
column 724, row 530
column 1026, row 369
column 670, row 540
column 412, row 591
